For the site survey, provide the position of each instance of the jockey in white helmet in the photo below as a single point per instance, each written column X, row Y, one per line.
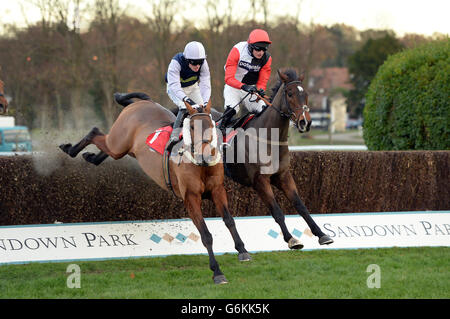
column 188, row 79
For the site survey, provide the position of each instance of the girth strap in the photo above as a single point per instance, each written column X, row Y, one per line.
column 166, row 169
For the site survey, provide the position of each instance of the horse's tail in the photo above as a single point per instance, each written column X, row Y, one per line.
column 125, row 99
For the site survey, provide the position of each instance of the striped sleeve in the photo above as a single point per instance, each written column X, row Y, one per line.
column 205, row 82
column 173, row 79
column 231, row 67
column 264, row 75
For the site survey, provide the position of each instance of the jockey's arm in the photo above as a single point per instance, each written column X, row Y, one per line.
column 205, row 82
column 173, row 79
column 264, row 75
column 231, row 67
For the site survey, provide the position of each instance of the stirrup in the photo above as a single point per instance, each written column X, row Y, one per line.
column 171, row 143
column 225, row 146
column 174, row 139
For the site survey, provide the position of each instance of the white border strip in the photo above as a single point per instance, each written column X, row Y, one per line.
column 156, row 238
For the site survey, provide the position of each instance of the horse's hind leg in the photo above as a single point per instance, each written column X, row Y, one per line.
column 95, row 159
column 286, row 183
column 192, row 203
column 100, row 142
column 73, row 150
column 219, row 197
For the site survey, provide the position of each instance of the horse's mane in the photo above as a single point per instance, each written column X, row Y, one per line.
column 291, row 74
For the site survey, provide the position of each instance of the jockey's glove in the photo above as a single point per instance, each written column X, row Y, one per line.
column 249, row 88
column 261, row 92
column 188, row 100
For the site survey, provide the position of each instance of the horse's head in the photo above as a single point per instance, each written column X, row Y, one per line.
column 3, row 101
column 296, row 100
column 200, row 135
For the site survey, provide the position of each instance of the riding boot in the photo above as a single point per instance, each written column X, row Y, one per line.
column 175, row 136
column 226, row 119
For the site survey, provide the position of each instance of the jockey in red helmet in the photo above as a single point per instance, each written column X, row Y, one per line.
column 247, row 70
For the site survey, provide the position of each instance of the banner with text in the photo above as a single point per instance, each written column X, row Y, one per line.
column 109, row 240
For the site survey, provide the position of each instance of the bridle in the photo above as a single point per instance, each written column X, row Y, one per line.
column 188, row 149
column 192, row 155
column 304, row 120
column 3, row 108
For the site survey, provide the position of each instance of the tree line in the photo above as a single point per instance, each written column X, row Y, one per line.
column 62, row 77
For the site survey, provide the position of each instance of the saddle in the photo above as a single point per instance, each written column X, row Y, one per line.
column 234, row 125
column 239, row 122
column 157, row 141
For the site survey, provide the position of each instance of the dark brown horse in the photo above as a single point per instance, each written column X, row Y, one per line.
column 269, row 131
column 3, row 101
column 192, row 176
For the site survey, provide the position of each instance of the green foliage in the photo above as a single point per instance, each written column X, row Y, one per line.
column 364, row 64
column 407, row 104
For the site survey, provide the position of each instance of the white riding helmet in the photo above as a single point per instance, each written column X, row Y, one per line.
column 194, row 51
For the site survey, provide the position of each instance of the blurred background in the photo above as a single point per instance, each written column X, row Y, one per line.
column 62, row 60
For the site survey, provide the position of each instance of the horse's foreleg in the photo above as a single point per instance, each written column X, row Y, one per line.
column 262, row 186
column 286, row 183
column 73, row 150
column 219, row 197
column 192, row 203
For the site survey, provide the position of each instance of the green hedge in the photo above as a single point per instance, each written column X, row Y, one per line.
column 408, row 102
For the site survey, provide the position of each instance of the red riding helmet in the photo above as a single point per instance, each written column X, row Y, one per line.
column 258, row 35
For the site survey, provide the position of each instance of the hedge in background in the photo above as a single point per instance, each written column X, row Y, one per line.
column 58, row 188
column 408, row 102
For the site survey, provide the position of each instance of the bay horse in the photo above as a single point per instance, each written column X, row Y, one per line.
column 288, row 103
column 191, row 179
column 3, row 101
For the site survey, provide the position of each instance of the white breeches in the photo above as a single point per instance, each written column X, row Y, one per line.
column 193, row 92
column 232, row 97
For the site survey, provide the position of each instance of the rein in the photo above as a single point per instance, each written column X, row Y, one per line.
column 182, row 151
column 291, row 113
column 188, row 143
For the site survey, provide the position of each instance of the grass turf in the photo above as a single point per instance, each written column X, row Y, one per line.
column 405, row 273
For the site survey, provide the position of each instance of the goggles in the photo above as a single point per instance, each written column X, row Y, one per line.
column 196, row 62
column 258, row 48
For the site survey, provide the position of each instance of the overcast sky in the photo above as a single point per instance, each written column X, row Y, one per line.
column 402, row 16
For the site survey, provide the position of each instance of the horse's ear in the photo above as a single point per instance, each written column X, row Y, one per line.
column 302, row 76
column 190, row 109
column 282, row 76
column 208, row 107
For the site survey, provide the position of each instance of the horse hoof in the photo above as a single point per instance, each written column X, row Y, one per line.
column 220, row 280
column 295, row 243
column 88, row 156
column 244, row 257
column 66, row 148
column 325, row 240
